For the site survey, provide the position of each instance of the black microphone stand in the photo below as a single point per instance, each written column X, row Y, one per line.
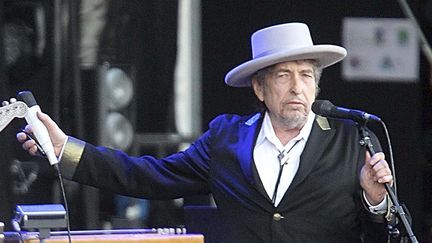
column 396, row 207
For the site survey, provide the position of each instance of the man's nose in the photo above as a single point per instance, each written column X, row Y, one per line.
column 296, row 85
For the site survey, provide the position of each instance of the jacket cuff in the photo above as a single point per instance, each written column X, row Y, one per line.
column 376, row 217
column 71, row 157
column 381, row 208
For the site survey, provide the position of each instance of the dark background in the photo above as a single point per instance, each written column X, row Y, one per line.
column 142, row 33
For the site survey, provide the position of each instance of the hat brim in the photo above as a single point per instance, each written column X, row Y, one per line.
column 326, row 55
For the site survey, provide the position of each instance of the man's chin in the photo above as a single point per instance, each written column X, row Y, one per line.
column 295, row 115
column 295, row 121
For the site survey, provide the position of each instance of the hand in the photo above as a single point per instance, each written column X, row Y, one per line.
column 374, row 174
column 57, row 136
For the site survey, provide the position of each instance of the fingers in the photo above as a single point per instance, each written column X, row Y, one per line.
column 28, row 142
column 375, row 158
column 21, row 137
column 382, row 173
column 380, row 169
column 30, row 146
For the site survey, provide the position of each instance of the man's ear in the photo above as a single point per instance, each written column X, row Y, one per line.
column 258, row 89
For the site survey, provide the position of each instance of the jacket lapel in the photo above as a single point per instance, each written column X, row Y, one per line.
column 317, row 143
column 248, row 132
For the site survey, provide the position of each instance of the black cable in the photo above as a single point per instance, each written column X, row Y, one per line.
column 60, row 177
column 392, row 165
column 56, row 166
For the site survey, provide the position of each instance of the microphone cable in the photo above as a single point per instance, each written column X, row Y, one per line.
column 62, row 189
column 60, row 178
column 398, row 209
column 390, row 148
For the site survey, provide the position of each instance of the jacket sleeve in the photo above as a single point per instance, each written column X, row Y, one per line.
column 181, row 174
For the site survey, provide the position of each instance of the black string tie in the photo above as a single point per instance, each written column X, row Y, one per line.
column 283, row 158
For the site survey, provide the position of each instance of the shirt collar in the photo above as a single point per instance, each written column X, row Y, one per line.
column 267, row 131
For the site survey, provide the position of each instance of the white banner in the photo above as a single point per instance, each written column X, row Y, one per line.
column 380, row 49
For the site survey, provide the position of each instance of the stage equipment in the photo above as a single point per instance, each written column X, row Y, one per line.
column 42, row 218
column 104, row 236
column 116, row 106
column 2, row 232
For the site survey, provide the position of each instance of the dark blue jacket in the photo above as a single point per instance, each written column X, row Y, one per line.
column 323, row 203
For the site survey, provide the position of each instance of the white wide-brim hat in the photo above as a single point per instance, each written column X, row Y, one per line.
column 280, row 43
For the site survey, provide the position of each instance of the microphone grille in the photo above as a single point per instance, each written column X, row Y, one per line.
column 27, row 97
column 322, row 107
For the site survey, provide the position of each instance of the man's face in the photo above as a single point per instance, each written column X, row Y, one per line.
column 288, row 91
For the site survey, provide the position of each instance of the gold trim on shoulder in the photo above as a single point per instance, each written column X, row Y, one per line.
column 323, row 123
column 253, row 119
column 71, row 157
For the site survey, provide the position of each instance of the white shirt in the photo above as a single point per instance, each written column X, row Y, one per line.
column 265, row 154
column 266, row 151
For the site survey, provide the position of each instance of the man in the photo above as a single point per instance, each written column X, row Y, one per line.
column 283, row 175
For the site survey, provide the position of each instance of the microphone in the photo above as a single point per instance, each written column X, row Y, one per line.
column 327, row 109
column 39, row 129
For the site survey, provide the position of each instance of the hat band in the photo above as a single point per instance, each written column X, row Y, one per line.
column 272, row 51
